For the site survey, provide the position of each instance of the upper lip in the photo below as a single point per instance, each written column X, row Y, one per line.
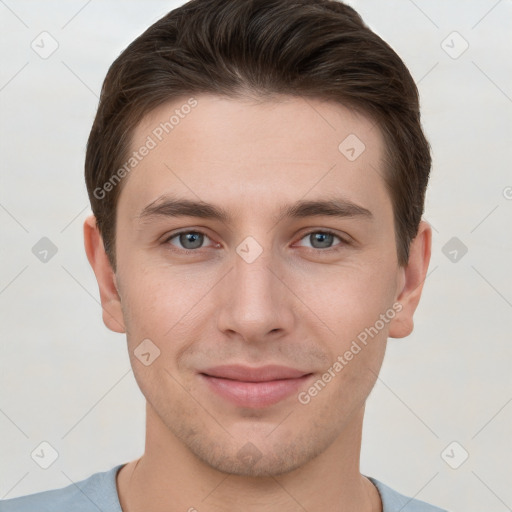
column 252, row 374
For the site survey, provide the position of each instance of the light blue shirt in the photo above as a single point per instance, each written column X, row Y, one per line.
column 98, row 493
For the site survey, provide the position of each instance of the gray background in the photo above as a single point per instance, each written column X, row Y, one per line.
column 65, row 379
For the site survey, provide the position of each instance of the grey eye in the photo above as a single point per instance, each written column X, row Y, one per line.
column 189, row 239
column 320, row 239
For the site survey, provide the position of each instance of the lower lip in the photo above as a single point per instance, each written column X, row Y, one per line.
column 254, row 394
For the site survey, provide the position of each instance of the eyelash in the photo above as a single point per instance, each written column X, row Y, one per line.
column 343, row 241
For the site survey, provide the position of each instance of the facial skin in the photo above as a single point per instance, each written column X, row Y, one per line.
column 300, row 303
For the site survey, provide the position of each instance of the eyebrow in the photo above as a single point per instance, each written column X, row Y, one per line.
column 165, row 206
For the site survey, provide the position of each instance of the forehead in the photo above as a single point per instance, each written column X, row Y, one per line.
column 246, row 152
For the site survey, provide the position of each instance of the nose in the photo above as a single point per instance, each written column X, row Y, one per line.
column 255, row 303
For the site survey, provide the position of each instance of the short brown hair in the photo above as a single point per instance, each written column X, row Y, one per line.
column 308, row 48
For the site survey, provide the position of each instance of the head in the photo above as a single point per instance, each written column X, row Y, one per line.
column 297, row 132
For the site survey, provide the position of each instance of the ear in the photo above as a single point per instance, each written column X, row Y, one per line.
column 110, row 299
column 411, row 282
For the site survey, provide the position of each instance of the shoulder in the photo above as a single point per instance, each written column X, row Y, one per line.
column 393, row 501
column 98, row 492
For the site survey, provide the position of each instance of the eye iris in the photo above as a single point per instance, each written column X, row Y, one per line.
column 324, row 240
column 195, row 239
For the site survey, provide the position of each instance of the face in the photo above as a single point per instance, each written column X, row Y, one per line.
column 252, row 307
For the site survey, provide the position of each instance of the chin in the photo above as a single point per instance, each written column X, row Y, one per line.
column 260, row 457
column 251, row 462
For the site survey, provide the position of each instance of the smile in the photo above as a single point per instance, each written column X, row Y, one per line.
column 254, row 387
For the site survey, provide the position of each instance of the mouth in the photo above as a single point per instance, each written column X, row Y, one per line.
column 260, row 387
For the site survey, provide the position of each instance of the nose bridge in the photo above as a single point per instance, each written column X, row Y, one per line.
column 254, row 301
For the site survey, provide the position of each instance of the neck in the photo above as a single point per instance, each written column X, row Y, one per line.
column 168, row 477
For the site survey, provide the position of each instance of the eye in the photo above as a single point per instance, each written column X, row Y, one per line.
column 194, row 240
column 188, row 240
column 321, row 239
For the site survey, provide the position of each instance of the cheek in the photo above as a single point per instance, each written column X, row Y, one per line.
column 159, row 298
column 169, row 308
column 350, row 299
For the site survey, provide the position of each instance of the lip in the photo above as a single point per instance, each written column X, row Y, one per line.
column 254, row 387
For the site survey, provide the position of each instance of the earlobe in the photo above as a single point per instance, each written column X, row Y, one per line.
column 411, row 282
column 109, row 292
